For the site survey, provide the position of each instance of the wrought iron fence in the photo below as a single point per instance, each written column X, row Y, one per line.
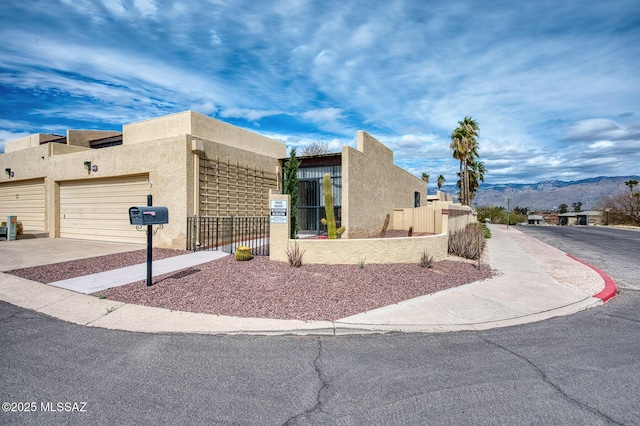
column 227, row 233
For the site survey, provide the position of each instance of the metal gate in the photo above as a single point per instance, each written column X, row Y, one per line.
column 228, row 233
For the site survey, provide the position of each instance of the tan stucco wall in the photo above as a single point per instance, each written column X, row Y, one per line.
column 279, row 233
column 26, row 142
column 437, row 217
column 373, row 186
column 458, row 218
column 167, row 162
column 163, row 162
column 369, row 250
column 202, row 126
column 82, row 137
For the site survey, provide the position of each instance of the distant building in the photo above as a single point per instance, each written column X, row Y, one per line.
column 534, row 219
column 587, row 218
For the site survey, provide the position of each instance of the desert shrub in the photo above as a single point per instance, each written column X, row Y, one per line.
column 243, row 253
column 426, row 260
column 19, row 227
column 464, row 243
column 486, row 232
column 360, row 263
column 294, row 255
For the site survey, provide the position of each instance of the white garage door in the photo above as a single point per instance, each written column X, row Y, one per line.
column 24, row 199
column 98, row 209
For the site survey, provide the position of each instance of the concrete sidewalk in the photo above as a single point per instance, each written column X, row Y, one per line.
column 534, row 282
column 96, row 282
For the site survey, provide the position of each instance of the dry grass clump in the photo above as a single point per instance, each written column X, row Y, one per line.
column 294, row 255
column 467, row 243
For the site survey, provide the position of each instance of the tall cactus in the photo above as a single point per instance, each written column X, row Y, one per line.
column 330, row 221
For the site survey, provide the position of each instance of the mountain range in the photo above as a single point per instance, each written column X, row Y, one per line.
column 548, row 195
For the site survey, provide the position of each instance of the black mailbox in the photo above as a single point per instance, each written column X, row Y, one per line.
column 151, row 215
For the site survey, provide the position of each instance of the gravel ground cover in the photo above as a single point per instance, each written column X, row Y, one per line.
column 264, row 289
column 93, row 265
column 260, row 288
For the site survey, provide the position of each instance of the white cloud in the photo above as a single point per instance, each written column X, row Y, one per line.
column 147, row 8
column 116, row 7
column 206, row 107
column 597, row 129
column 601, row 144
column 215, row 38
column 323, row 115
column 534, row 77
column 247, row 114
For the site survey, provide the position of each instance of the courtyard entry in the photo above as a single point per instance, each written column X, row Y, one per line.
column 228, row 233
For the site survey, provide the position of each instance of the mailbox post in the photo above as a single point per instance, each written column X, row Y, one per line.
column 149, row 245
column 149, row 216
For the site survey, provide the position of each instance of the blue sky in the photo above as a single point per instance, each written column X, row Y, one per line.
column 554, row 85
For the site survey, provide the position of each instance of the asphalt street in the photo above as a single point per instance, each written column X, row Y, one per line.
column 615, row 251
column 579, row 369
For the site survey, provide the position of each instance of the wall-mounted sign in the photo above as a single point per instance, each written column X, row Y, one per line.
column 278, row 211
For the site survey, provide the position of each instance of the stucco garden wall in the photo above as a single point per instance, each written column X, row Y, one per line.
column 437, row 217
column 371, row 250
column 352, row 251
column 373, row 186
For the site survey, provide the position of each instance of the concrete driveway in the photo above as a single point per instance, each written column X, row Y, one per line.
column 43, row 251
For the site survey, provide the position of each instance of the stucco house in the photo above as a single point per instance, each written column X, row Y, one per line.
column 81, row 185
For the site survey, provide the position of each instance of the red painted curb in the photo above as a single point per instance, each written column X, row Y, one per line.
column 610, row 289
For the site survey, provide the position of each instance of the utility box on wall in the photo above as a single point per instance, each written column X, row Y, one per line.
column 12, row 228
column 151, row 215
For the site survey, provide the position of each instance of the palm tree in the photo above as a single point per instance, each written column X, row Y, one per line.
column 441, row 180
column 459, row 148
column 465, row 149
column 425, row 177
column 476, row 175
column 631, row 183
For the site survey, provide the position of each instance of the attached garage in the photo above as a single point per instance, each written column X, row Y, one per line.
column 26, row 200
column 98, row 209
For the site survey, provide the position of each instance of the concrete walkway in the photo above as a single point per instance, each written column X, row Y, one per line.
column 534, row 282
column 96, row 282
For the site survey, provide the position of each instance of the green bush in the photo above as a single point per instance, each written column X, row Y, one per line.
column 486, row 232
column 499, row 215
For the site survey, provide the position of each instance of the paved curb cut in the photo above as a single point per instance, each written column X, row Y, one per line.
column 610, row 289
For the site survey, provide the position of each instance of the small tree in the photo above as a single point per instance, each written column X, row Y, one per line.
column 291, row 188
column 577, row 207
column 563, row 208
column 315, row 148
column 624, row 208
